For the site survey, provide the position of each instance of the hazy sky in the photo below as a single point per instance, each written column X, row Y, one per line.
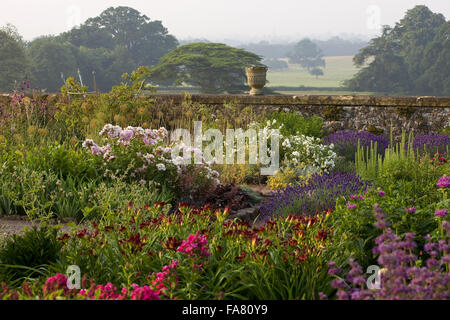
column 241, row 20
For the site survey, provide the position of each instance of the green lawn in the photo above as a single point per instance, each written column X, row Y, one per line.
column 337, row 70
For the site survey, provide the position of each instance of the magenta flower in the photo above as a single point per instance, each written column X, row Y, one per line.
column 444, row 182
column 195, row 243
column 381, row 193
column 410, row 210
column 351, row 206
column 440, row 213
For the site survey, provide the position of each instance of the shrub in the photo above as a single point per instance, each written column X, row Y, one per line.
column 295, row 124
column 413, row 176
column 405, row 274
column 318, row 194
column 23, row 255
column 142, row 155
column 346, row 142
column 354, row 220
column 218, row 258
column 63, row 161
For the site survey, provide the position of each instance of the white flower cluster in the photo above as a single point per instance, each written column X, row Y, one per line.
column 308, row 152
column 300, row 151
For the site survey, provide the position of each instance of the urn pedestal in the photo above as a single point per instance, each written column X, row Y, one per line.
column 256, row 79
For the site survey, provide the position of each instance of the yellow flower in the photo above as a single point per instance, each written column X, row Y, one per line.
column 26, row 101
column 73, row 141
column 93, row 124
column 141, row 111
column 100, row 115
column 31, row 131
column 85, row 107
column 123, row 108
column 43, row 132
column 18, row 138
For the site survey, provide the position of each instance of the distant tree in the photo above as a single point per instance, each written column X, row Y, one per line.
column 90, row 37
column 49, row 58
column 307, row 54
column 13, row 62
column 412, row 57
column 316, row 72
column 214, row 67
column 336, row 46
column 275, row 64
column 146, row 40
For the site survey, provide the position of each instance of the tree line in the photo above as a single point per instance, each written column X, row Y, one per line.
column 413, row 57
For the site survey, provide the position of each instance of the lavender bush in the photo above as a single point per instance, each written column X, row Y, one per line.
column 319, row 194
column 431, row 143
column 404, row 274
column 346, row 141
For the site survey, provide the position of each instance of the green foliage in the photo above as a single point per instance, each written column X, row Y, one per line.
column 375, row 130
column 402, row 171
column 146, row 40
column 214, row 67
column 307, row 54
column 24, row 255
column 332, row 113
column 12, row 56
column 275, row 64
column 63, row 161
column 295, row 124
column 270, row 264
column 103, row 48
column 316, row 72
column 411, row 57
column 405, row 111
column 356, row 227
column 49, row 58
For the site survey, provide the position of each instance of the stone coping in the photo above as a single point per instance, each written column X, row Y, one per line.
column 307, row 100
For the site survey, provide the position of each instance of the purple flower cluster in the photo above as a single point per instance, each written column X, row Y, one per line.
column 431, row 143
column 444, row 182
column 318, row 195
column 346, row 141
column 400, row 276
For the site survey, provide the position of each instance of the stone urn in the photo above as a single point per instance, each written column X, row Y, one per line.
column 256, row 77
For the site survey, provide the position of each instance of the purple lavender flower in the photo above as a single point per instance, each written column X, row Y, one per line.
column 431, row 143
column 318, row 195
column 345, row 142
column 400, row 277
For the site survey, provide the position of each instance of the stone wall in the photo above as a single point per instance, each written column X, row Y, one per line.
column 415, row 114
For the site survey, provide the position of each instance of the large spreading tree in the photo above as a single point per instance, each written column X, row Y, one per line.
column 214, row 67
column 413, row 57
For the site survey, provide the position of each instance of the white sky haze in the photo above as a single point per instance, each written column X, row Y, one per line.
column 239, row 20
